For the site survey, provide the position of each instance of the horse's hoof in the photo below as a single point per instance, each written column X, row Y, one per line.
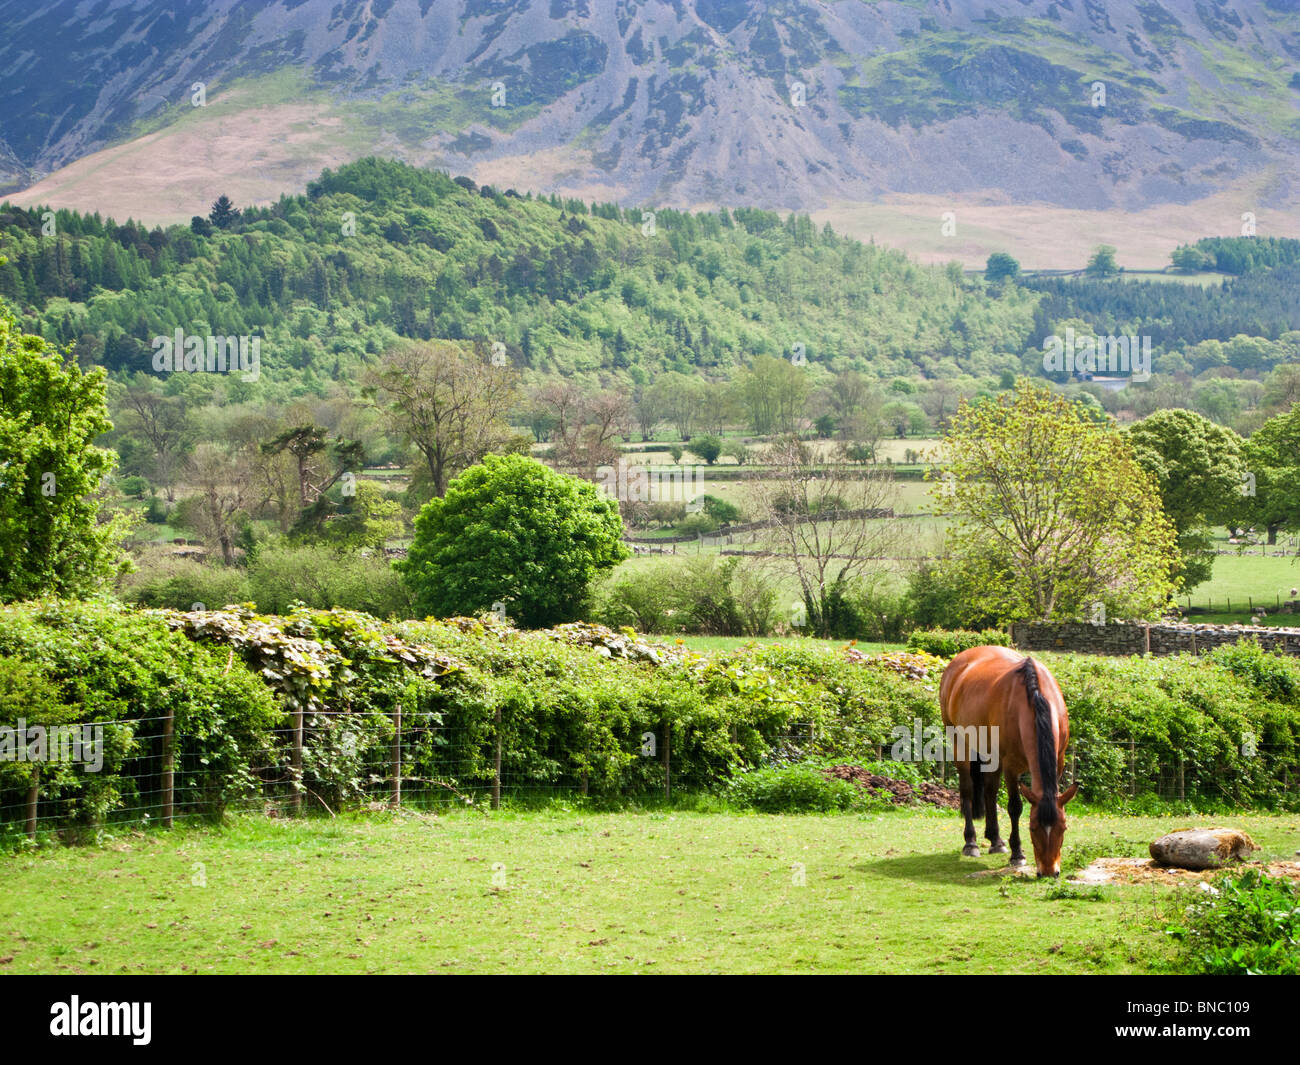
column 998, row 848
column 970, row 851
column 1016, row 862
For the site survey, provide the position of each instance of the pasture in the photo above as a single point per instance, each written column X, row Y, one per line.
column 578, row 891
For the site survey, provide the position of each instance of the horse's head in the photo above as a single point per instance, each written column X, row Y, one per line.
column 1047, row 827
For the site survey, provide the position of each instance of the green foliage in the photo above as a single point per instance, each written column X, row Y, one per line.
column 1247, row 924
column 706, row 595
column 1274, row 673
column 125, row 671
column 940, row 595
column 574, row 703
column 708, row 447
column 798, row 788
column 177, row 582
column 1198, row 467
column 513, row 531
column 721, row 511
column 435, row 258
column 283, row 574
column 1232, row 738
column 1053, row 512
column 51, row 539
column 1237, row 255
column 1001, row 266
column 1102, row 263
column 947, row 643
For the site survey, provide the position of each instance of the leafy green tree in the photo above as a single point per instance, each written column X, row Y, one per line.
column 514, row 531
column 1102, row 263
column 1271, row 490
column 448, row 404
column 773, row 392
column 1000, row 266
column 1198, row 467
column 678, row 399
column 52, row 541
column 1053, row 512
column 708, row 447
column 1189, row 259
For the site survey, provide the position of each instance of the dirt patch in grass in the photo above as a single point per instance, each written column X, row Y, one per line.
column 1147, row 871
column 898, row 792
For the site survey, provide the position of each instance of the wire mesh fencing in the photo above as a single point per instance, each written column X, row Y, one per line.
column 146, row 772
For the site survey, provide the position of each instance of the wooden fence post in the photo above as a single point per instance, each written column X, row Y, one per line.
column 1147, row 639
column 396, row 799
column 33, row 800
column 1132, row 769
column 295, row 801
column 1182, row 792
column 496, row 769
column 168, row 768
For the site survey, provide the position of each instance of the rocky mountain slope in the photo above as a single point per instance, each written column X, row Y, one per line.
column 783, row 104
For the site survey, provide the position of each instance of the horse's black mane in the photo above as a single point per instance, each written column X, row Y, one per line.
column 1046, row 743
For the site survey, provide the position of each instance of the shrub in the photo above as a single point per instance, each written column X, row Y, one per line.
column 941, row 598
column 514, row 531
column 798, row 788
column 639, row 599
column 134, row 486
column 320, row 577
column 707, row 447
column 947, row 643
column 861, row 610
column 1246, row 925
column 177, row 582
column 708, row 595
column 720, row 597
column 721, row 511
column 156, row 512
column 700, row 524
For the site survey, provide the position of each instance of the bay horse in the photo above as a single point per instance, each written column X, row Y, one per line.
column 996, row 688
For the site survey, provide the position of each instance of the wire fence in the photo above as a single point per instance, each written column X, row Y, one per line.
column 152, row 775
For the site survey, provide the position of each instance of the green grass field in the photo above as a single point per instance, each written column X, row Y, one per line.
column 1238, row 579
column 580, row 892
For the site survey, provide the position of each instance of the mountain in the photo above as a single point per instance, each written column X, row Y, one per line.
column 867, row 112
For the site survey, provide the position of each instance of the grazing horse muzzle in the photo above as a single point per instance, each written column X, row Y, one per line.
column 1048, row 838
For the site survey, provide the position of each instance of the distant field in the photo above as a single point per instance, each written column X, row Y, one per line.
column 1238, row 578
column 1050, row 237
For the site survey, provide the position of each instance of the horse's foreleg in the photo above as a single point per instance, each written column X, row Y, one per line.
column 1014, row 805
column 967, row 787
column 992, row 782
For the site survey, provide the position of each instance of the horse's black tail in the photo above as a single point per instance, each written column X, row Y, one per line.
column 1046, row 743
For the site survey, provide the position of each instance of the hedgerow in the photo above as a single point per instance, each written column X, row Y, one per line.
column 577, row 708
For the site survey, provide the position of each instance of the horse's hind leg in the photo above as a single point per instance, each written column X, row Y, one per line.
column 1014, row 805
column 992, row 782
column 968, row 782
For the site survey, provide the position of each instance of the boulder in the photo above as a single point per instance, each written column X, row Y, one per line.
column 1202, row 848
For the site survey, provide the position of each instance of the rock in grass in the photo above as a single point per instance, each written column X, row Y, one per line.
column 1202, row 848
